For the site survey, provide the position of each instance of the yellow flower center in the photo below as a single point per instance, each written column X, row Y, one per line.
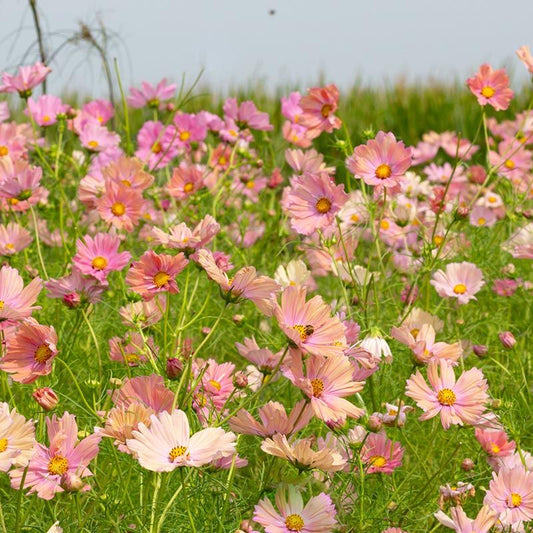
column 304, row 331
column 495, row 448
column 58, row 465
column 12, row 201
column 294, row 522
column 184, row 136
column 378, row 461
column 492, row 200
column 446, row 397
column 383, row 171
column 384, row 224
column 46, row 118
column 481, row 221
column 118, row 209
column 99, row 262
column 156, row 148
column 215, row 384
column 3, row 445
column 160, row 279
column 459, row 288
column 4, row 150
column 415, row 332
column 438, row 240
column 488, row 91
column 1, row 304
column 188, row 187
column 10, row 246
column 222, row 160
column 100, row 119
column 509, row 163
column 177, row 451
column 42, row 354
column 326, row 110
column 354, row 218
column 250, row 184
column 514, row 499
column 132, row 358
column 318, row 387
column 126, row 182
column 323, row 205
column 92, row 144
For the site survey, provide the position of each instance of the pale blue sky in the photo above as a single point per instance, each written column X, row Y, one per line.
column 238, row 41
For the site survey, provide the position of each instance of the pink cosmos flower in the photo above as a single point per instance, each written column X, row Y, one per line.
column 246, row 115
column 317, row 516
column 505, row 287
column 216, row 385
column 50, row 469
column 458, row 280
column 101, row 110
column 28, row 77
column 120, row 206
column 152, row 149
column 151, row 96
column 327, row 381
column 18, row 438
column 245, row 284
column 181, row 237
column 296, row 134
column 96, row 138
column 129, row 172
column 380, row 454
column 4, row 111
column 155, row 273
column 274, row 419
column 495, row 443
column 16, row 301
column 30, row 352
column 186, row 180
column 381, row 161
column 300, row 453
column 167, row 444
column 132, row 349
column 149, row 391
column 525, row 56
column 12, row 142
column 186, row 129
column 98, row 256
column 313, row 201
column 144, row 313
column 482, row 217
column 491, row 87
column 460, row 523
column 75, row 289
column 263, row 358
column 46, row 110
column 309, row 324
column 122, row 421
column 13, row 238
column 20, row 184
column 302, row 161
column 511, row 494
column 318, row 108
column 457, row 402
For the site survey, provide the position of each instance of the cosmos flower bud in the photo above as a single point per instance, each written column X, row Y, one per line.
column 174, row 367
column 240, row 380
column 507, row 339
column 46, row 398
column 477, row 174
column 480, row 350
column 467, row 464
column 71, row 482
column 237, row 319
column 461, row 212
column 374, row 423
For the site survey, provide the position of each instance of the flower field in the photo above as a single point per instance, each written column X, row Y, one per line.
column 309, row 313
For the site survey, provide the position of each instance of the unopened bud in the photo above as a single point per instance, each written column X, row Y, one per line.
column 72, row 299
column 507, row 339
column 462, row 211
column 477, row 174
column 480, row 350
column 46, row 398
column 240, row 380
column 467, row 465
column 374, row 423
column 206, row 330
column 495, row 403
column 237, row 318
column 71, row 482
column 174, row 367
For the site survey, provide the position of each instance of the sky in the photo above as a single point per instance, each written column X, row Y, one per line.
column 281, row 43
